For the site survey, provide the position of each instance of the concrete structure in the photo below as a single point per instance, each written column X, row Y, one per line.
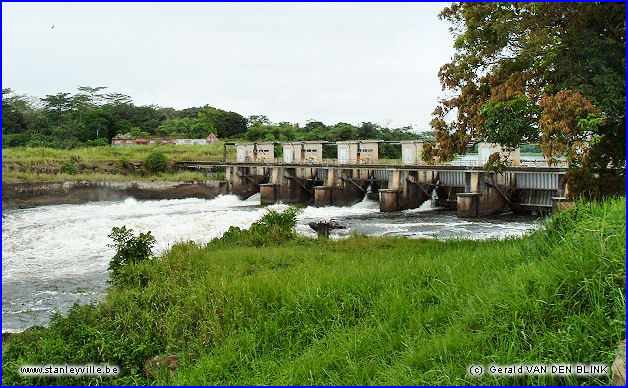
column 358, row 151
column 303, row 152
column 469, row 189
column 312, row 151
column 411, row 151
column 245, row 153
column 265, row 152
column 125, row 140
column 485, row 150
column 255, row 152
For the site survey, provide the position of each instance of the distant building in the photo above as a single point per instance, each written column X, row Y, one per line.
column 358, row 151
column 255, row 152
column 411, row 151
column 127, row 140
column 303, row 152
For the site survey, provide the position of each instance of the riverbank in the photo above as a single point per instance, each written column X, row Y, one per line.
column 355, row 311
column 97, row 164
column 64, row 192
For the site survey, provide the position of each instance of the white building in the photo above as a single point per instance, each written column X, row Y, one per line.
column 411, row 152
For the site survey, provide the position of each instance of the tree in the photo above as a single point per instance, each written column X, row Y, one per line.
column 367, row 131
column 13, row 112
column 227, row 124
column 117, row 99
column 552, row 72
column 58, row 104
column 257, row 119
column 92, row 94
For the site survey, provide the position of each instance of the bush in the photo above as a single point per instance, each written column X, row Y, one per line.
column 156, row 162
column 272, row 229
column 69, row 167
column 129, row 250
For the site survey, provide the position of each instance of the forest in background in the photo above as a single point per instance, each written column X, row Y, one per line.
column 92, row 117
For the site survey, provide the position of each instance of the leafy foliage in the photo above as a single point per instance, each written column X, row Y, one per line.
column 509, row 122
column 69, row 167
column 272, row 229
column 130, row 249
column 156, row 162
column 547, row 72
column 496, row 163
column 92, row 118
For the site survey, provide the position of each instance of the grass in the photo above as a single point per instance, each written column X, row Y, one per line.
column 102, row 163
column 293, row 310
column 42, row 155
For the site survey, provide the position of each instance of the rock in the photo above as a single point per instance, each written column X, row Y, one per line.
column 322, row 228
column 154, row 367
column 619, row 366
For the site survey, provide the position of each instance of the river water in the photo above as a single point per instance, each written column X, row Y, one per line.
column 54, row 256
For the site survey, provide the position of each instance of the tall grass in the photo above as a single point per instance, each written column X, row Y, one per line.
column 103, row 163
column 356, row 311
column 38, row 155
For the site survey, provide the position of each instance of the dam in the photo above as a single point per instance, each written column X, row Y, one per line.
column 303, row 176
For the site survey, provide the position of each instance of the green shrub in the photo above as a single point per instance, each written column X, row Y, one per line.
column 129, row 250
column 272, row 229
column 156, row 162
column 69, row 167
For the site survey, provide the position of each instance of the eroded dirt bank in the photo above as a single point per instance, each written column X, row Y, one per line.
column 52, row 193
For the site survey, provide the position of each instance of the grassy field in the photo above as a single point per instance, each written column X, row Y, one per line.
column 28, row 155
column 25, row 164
column 271, row 309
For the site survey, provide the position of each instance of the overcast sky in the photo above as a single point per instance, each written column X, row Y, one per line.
column 291, row 62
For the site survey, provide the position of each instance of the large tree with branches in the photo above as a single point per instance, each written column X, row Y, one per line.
column 552, row 73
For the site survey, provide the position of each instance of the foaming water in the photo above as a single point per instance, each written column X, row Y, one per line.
column 54, row 256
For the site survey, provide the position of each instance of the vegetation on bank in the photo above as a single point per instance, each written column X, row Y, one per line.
column 276, row 308
column 42, row 155
column 154, row 162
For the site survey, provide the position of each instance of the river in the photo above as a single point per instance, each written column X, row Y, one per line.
column 54, row 256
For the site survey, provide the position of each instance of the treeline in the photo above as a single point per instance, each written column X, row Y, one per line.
column 92, row 117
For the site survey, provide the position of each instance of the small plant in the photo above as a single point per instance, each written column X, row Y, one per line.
column 156, row 162
column 69, row 167
column 129, row 249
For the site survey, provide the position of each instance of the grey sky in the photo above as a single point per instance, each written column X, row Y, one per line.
column 291, row 62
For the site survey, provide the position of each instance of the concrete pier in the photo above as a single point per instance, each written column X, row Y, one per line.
column 244, row 181
column 289, row 185
column 407, row 189
column 342, row 187
column 485, row 194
